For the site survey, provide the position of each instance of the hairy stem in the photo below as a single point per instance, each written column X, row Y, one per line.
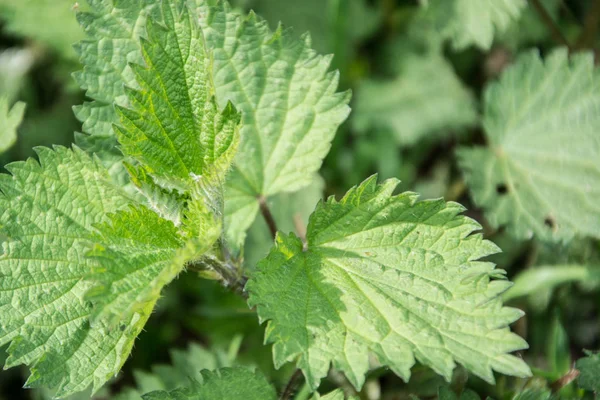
column 230, row 274
column 291, row 386
column 267, row 215
column 550, row 24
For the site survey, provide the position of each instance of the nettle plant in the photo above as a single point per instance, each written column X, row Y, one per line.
column 198, row 116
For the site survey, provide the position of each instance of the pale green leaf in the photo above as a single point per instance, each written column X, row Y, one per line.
column 10, row 119
column 48, row 213
column 471, row 23
column 51, row 22
column 390, row 276
column 424, row 100
column 225, row 383
column 113, row 29
column 15, row 64
column 539, row 174
column 288, row 100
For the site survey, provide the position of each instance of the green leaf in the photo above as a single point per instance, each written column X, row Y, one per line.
column 533, row 394
column 390, row 276
column 51, row 22
column 557, row 348
column 48, row 211
column 468, row 23
column 539, row 174
column 113, row 29
column 444, row 393
column 173, row 127
column 589, row 368
column 288, row 101
column 185, row 369
column 425, row 99
column 225, row 383
column 335, row 26
column 138, row 253
column 15, row 64
column 182, row 143
column 549, row 277
column 9, row 122
column 335, row 395
column 290, row 211
column 530, row 29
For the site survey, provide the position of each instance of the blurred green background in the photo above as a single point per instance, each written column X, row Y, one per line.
column 416, row 98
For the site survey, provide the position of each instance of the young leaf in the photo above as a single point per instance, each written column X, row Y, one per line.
column 138, row 253
column 113, row 30
column 173, row 127
column 48, row 211
column 425, row 99
column 391, row 276
column 468, row 22
column 177, row 135
column 540, row 174
column 9, row 122
column 225, row 383
column 288, row 101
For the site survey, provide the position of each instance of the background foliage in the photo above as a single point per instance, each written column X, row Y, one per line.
column 418, row 79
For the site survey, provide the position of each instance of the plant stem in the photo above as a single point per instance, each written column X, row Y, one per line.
column 229, row 273
column 550, row 24
column 564, row 381
column 291, row 386
column 590, row 27
column 267, row 215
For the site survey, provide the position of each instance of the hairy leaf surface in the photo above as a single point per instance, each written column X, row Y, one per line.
column 391, row 276
column 173, row 127
column 138, row 254
column 48, row 213
column 10, row 119
column 539, row 174
column 225, row 383
column 288, row 100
